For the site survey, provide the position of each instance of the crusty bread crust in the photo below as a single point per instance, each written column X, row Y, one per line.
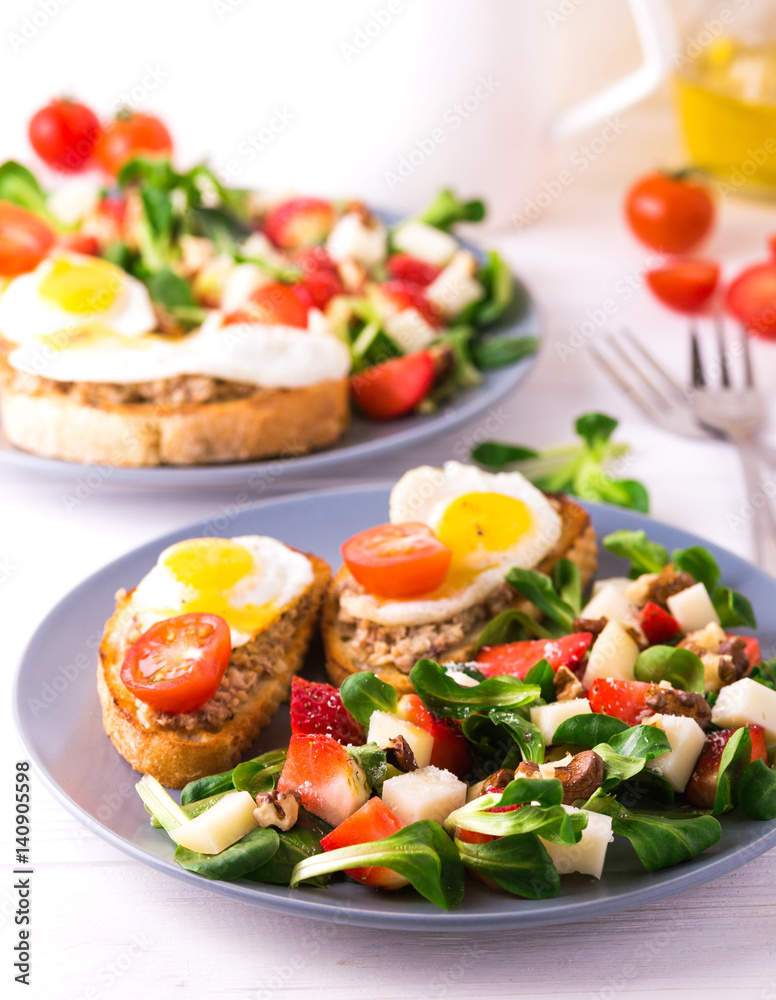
column 175, row 757
column 577, row 543
column 272, row 422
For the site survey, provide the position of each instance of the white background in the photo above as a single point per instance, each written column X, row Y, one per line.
column 115, row 928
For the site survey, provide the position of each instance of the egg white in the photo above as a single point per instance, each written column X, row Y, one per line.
column 279, row 577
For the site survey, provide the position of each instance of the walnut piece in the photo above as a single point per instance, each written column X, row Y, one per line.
column 580, row 777
column 280, row 809
column 399, row 753
column 669, row 701
column 567, row 685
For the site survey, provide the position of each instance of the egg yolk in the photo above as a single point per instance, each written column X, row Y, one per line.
column 482, row 522
column 83, row 288
column 210, row 567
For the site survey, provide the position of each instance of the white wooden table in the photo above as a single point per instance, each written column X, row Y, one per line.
column 107, row 927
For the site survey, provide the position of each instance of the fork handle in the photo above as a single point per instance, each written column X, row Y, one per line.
column 763, row 523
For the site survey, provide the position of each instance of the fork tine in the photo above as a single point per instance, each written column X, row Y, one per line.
column 647, row 408
column 697, row 367
column 661, row 400
column 747, row 358
column 639, row 348
column 723, row 367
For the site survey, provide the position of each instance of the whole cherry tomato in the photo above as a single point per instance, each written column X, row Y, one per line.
column 64, row 134
column 669, row 213
column 751, row 298
column 25, row 239
column 130, row 134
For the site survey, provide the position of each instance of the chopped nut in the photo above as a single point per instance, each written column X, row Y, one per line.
column 567, row 685
column 498, row 780
column 280, row 809
column 594, row 625
column 734, row 649
column 704, row 640
column 669, row 581
column 669, row 701
column 580, row 777
column 399, row 753
column 637, row 591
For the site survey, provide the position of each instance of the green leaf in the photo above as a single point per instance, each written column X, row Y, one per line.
column 497, row 454
column 260, row 774
column 700, row 564
column 519, row 864
column 421, row 852
column 595, row 428
column 733, row 608
column 593, row 484
column 500, row 290
column 302, row 841
column 488, row 742
column 364, row 693
column 618, row 767
column 545, row 791
column 498, row 351
column 553, row 823
column 660, row 843
column 248, row 854
column 155, row 171
column 447, row 209
column 20, row 186
column 735, row 758
column 680, row 667
column 538, row 589
column 757, row 791
column 465, row 373
column 588, row 729
column 168, row 288
column 640, row 741
column 372, row 760
column 644, row 788
column 527, row 736
column 445, row 697
column 567, row 581
column 644, row 556
column 541, row 673
column 513, row 626
column 764, row 673
column 203, row 788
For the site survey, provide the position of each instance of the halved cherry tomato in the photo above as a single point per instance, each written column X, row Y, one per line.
column 751, row 298
column 397, row 560
column 273, row 303
column 395, row 387
column 25, row 239
column 685, row 285
column 176, row 665
column 403, row 267
column 669, row 213
column 130, row 134
column 64, row 134
column 517, row 658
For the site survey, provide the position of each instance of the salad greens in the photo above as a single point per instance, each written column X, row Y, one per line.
column 579, row 469
column 445, row 697
column 680, row 667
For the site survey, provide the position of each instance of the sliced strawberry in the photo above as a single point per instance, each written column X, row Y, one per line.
column 300, row 222
column 657, row 624
column 320, row 280
column 405, row 268
column 396, row 296
column 626, row 700
column 517, row 658
column 451, row 749
column 273, row 303
column 394, row 388
column 373, row 821
column 331, row 784
column 318, row 708
column 702, row 786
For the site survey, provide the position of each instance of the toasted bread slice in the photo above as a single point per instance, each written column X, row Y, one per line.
column 268, row 423
column 178, row 749
column 577, row 543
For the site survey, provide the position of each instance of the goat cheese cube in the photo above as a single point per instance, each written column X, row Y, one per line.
column 353, row 239
column 614, row 654
column 409, row 330
column 686, row 739
column 549, row 717
column 747, row 703
column 692, row 608
column 385, row 727
column 610, row 601
column 587, row 856
column 428, row 793
column 456, row 287
column 425, row 242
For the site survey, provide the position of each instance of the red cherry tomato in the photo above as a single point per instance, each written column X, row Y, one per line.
column 273, row 303
column 25, row 239
column 397, row 560
column 671, row 214
column 684, row 285
column 751, row 298
column 131, row 134
column 394, row 388
column 64, row 134
column 176, row 665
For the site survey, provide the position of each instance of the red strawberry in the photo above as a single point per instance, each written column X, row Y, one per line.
column 626, row 700
column 273, row 303
column 318, row 708
column 300, row 222
column 657, row 624
column 400, row 295
column 373, row 821
column 405, row 268
column 451, row 749
column 320, row 280
column 330, row 783
column 517, row 658
column 702, row 786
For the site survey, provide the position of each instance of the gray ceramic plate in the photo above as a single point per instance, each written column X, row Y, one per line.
column 59, row 719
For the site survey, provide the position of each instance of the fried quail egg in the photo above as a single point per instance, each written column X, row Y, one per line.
column 249, row 581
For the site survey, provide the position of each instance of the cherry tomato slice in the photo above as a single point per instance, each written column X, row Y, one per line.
column 131, row 134
column 395, row 387
column 25, row 239
column 751, row 298
column 685, row 285
column 397, row 560
column 176, row 665
column 668, row 213
column 63, row 134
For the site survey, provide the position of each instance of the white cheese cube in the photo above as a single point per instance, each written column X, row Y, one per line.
column 428, row 793
column 610, row 601
column 638, row 590
column 456, row 287
column 409, row 330
column 549, row 717
column 425, row 242
column 692, row 608
column 385, row 727
column 747, row 703
column 220, row 826
column 613, row 655
column 353, row 239
column 587, row 856
column 686, row 739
